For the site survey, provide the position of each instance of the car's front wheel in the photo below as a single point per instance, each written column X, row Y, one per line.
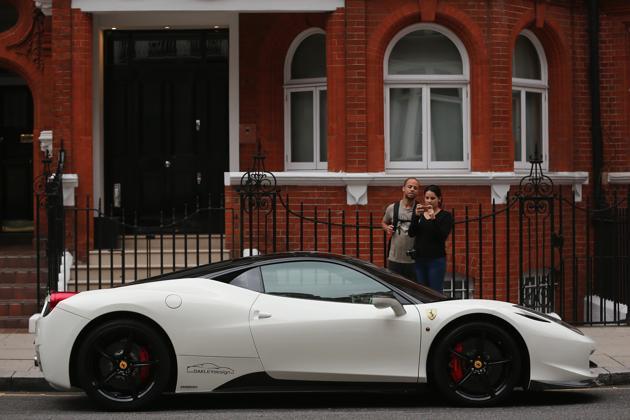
column 123, row 364
column 477, row 363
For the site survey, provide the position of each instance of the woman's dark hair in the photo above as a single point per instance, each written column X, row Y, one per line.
column 435, row 190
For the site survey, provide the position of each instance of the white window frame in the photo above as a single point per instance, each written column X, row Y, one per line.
column 539, row 86
column 314, row 85
column 426, row 83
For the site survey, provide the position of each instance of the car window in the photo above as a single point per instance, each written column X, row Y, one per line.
column 319, row 280
column 247, row 279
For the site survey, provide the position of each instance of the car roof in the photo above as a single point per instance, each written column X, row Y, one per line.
column 240, row 263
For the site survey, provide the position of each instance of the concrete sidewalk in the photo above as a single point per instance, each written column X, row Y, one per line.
column 17, row 372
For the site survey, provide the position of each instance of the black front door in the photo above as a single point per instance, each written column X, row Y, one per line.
column 166, row 125
column 16, row 154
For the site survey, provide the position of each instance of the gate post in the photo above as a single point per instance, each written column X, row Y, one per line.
column 49, row 187
column 536, row 195
column 257, row 192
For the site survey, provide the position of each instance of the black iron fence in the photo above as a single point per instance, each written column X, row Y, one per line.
column 541, row 249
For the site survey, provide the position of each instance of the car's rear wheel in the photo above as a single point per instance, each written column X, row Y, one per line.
column 123, row 364
column 477, row 363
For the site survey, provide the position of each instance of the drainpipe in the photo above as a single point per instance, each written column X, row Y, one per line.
column 596, row 123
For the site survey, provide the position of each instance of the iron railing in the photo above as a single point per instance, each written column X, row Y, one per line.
column 541, row 249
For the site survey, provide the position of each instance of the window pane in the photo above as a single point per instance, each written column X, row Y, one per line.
column 525, row 62
column 447, row 131
column 309, row 60
column 302, row 126
column 425, row 52
column 166, row 48
column 320, row 281
column 121, row 48
column 323, row 126
column 533, row 118
column 405, row 124
column 516, row 124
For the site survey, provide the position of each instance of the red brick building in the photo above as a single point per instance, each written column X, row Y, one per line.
column 158, row 102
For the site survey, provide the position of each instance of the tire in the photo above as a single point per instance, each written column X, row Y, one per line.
column 123, row 365
column 476, row 364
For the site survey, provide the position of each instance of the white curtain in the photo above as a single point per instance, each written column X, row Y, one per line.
column 405, row 126
column 446, row 125
column 302, row 126
column 533, row 118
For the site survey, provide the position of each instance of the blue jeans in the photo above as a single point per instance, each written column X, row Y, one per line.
column 430, row 272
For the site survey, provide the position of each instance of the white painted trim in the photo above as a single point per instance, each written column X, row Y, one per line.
column 499, row 182
column 426, row 83
column 234, row 92
column 288, row 61
column 205, row 5
column 46, row 141
column 157, row 20
column 45, row 6
column 356, row 194
column 397, row 178
column 314, row 85
column 618, row 177
column 432, row 27
column 541, row 56
column 69, row 182
column 532, row 85
column 427, row 163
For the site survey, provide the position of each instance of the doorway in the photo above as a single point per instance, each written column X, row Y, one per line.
column 16, row 157
column 166, row 126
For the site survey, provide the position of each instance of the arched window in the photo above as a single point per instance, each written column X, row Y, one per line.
column 426, row 100
column 529, row 101
column 305, row 102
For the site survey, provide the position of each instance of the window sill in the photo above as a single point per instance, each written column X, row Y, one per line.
column 617, row 177
column 356, row 183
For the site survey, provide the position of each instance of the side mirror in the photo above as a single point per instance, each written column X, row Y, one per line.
column 382, row 302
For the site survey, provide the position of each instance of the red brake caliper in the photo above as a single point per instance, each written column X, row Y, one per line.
column 457, row 372
column 144, row 357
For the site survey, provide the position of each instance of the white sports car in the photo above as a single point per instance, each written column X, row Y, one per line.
column 299, row 321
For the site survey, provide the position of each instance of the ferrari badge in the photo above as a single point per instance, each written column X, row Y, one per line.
column 431, row 314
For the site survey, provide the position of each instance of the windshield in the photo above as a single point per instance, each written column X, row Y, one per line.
column 421, row 293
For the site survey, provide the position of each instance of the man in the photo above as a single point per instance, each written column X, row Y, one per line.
column 397, row 226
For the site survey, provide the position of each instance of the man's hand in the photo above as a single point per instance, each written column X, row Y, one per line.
column 389, row 229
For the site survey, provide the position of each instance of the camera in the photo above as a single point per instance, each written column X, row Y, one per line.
column 411, row 252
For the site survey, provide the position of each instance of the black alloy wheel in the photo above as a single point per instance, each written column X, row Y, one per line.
column 123, row 364
column 476, row 364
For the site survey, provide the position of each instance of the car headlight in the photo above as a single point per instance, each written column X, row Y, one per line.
column 549, row 318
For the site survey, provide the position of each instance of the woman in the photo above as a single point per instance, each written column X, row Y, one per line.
column 430, row 226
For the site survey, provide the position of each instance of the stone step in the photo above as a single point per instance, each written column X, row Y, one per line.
column 21, row 275
column 14, row 322
column 20, row 261
column 19, row 307
column 21, row 291
column 154, row 257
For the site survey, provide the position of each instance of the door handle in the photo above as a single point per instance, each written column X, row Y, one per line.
column 261, row 315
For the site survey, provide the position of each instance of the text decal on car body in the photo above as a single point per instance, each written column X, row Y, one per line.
column 210, row 368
